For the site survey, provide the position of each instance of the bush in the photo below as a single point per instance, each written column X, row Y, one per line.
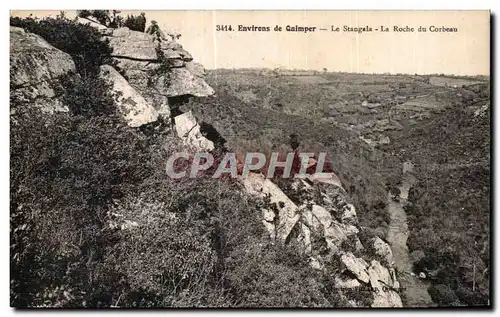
column 108, row 19
column 89, row 96
column 443, row 295
column 136, row 23
column 264, row 277
column 65, row 173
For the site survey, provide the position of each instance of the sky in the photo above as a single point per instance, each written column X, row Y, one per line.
column 466, row 52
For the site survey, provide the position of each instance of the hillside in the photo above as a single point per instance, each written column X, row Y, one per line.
column 370, row 125
column 96, row 222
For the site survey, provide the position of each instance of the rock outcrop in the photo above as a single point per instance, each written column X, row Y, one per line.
column 154, row 72
column 259, row 186
column 134, row 108
column 189, row 131
column 325, row 226
column 158, row 70
column 35, row 70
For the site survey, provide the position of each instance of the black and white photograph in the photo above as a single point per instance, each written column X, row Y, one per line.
column 250, row 159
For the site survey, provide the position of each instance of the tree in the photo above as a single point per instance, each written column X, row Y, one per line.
column 105, row 17
column 136, row 23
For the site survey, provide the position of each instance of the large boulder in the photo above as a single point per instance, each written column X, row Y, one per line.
column 356, row 266
column 158, row 70
column 135, row 109
column 36, row 68
column 189, row 131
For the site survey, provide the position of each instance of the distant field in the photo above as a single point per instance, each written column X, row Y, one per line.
column 452, row 82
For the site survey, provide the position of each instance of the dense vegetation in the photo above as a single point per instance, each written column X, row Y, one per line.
column 95, row 221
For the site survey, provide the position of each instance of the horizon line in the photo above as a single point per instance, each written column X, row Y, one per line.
column 344, row 72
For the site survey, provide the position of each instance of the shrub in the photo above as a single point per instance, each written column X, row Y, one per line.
column 443, row 295
column 65, row 173
column 89, row 96
column 105, row 17
column 136, row 23
column 264, row 277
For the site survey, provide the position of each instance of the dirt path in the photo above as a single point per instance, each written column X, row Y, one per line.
column 414, row 288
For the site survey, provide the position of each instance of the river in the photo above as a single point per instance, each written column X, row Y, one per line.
column 415, row 290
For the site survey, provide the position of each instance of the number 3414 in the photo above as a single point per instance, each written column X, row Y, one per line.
column 223, row 28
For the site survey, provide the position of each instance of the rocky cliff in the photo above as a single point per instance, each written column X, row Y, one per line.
column 317, row 218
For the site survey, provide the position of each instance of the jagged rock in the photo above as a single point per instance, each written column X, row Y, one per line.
column 186, row 56
column 309, row 219
column 389, row 298
column 133, row 45
column 315, row 264
column 379, row 275
column 323, row 216
column 346, row 283
column 268, row 215
column 334, row 236
column 183, row 82
column 356, row 266
column 189, row 131
column 381, row 280
column 383, row 249
column 258, row 185
column 134, row 108
column 334, row 222
column 349, row 230
column 358, row 246
column 349, row 214
column 196, row 69
column 36, row 68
